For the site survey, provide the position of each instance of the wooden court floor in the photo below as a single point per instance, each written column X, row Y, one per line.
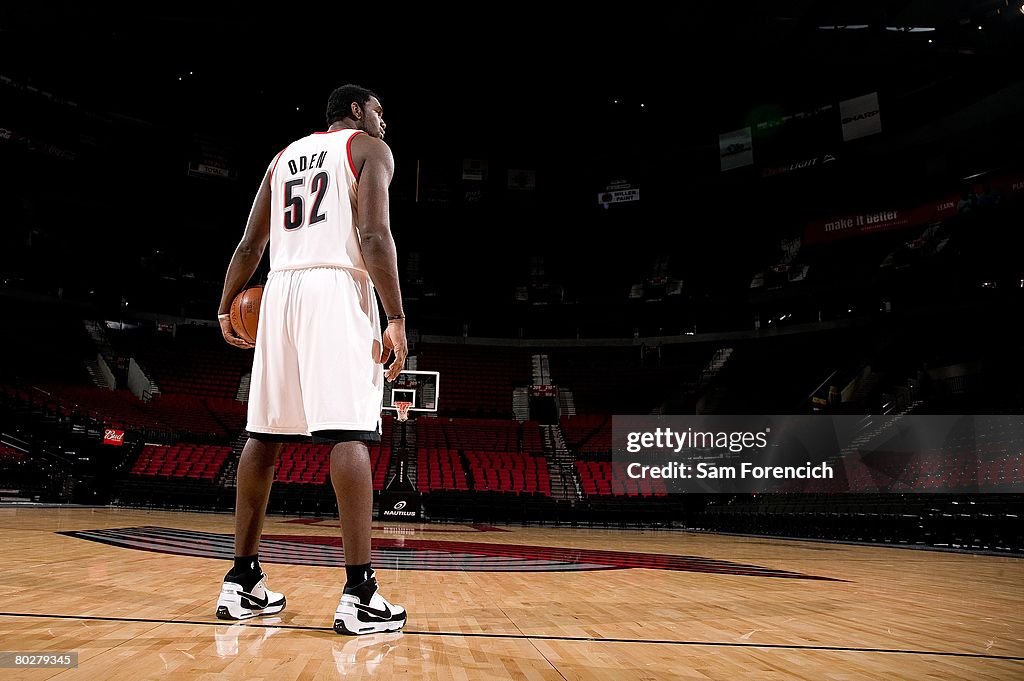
column 133, row 593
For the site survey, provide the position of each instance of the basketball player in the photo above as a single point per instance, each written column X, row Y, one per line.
column 320, row 355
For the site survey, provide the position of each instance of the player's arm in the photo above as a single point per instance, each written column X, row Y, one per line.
column 378, row 245
column 246, row 259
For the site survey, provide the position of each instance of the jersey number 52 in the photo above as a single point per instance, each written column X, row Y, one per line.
column 294, row 215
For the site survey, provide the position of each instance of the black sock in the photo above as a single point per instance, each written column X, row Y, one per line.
column 245, row 565
column 356, row 574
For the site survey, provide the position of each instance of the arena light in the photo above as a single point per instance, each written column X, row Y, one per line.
column 910, row 29
column 844, row 27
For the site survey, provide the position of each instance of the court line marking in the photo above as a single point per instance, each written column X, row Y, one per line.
column 540, row 637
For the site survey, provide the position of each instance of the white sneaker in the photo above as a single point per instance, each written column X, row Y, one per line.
column 235, row 603
column 362, row 610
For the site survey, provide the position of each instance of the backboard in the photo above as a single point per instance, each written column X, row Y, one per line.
column 422, row 388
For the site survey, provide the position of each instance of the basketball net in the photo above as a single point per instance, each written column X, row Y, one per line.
column 403, row 410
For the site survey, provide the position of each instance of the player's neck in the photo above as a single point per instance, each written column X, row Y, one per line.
column 342, row 125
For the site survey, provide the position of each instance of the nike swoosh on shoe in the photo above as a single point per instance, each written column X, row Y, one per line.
column 384, row 614
column 259, row 603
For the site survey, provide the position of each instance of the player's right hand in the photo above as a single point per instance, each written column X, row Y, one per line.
column 231, row 337
column 394, row 342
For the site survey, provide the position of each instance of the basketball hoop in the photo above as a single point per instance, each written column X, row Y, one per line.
column 403, row 410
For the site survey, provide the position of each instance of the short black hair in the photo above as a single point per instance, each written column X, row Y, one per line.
column 339, row 104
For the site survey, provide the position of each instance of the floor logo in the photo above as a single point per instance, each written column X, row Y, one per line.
column 419, row 554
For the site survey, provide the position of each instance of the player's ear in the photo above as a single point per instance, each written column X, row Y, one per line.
column 357, row 111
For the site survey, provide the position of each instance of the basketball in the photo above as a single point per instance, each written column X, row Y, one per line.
column 245, row 312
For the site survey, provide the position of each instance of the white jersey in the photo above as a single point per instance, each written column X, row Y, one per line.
column 312, row 215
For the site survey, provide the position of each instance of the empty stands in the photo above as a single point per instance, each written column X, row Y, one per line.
column 199, row 462
column 588, row 433
column 509, row 472
column 602, row 478
column 196, row 361
column 439, row 469
column 310, row 464
column 476, row 380
column 183, row 415
column 485, row 455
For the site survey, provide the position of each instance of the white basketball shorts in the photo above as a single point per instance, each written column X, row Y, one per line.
column 317, row 350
